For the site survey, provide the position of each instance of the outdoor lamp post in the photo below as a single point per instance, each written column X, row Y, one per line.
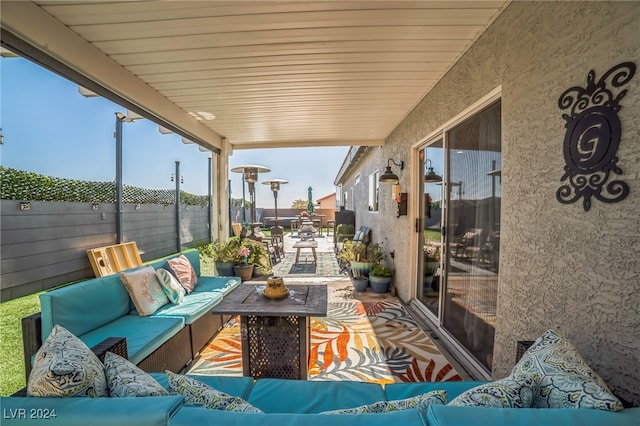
column 275, row 187
column 250, row 175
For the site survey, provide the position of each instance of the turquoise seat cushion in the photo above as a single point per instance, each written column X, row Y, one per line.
column 154, row 411
column 144, row 334
column 192, row 307
column 235, row 386
column 397, row 391
column 222, row 285
column 188, row 416
column 84, row 306
column 445, row 415
column 293, row 396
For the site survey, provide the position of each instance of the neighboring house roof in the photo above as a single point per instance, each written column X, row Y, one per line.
column 326, row 197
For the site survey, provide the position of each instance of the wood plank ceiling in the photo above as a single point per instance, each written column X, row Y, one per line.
column 277, row 74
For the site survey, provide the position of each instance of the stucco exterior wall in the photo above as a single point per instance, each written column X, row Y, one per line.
column 559, row 265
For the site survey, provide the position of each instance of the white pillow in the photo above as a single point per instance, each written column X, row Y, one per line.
column 145, row 290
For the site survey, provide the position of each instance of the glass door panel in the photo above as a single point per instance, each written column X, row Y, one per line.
column 430, row 240
column 473, row 186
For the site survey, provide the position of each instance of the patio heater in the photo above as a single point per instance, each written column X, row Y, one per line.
column 275, row 187
column 250, row 175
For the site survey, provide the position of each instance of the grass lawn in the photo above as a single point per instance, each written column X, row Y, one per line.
column 431, row 236
column 11, row 353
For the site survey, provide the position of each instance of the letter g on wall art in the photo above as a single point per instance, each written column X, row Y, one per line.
column 592, row 138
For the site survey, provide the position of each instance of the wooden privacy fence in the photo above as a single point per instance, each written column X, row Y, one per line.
column 44, row 244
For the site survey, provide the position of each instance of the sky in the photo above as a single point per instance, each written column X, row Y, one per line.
column 49, row 128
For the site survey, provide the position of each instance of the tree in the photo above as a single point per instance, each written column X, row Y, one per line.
column 299, row 204
column 237, row 202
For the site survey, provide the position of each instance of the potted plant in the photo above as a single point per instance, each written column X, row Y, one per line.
column 259, row 256
column 380, row 278
column 361, row 257
column 431, row 257
column 360, row 283
column 222, row 254
column 244, row 270
column 428, row 274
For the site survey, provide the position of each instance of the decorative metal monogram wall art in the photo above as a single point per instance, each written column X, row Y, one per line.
column 592, row 138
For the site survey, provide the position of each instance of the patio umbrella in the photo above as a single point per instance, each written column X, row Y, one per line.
column 310, row 208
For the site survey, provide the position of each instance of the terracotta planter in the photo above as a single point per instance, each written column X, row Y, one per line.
column 379, row 284
column 224, row 269
column 245, row 272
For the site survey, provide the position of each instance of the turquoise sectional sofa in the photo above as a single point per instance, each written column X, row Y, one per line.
column 295, row 402
column 99, row 308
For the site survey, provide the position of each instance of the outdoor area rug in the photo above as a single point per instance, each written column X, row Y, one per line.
column 360, row 340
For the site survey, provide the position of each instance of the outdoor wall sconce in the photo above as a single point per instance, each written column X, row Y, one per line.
column 431, row 176
column 25, row 205
column 592, row 138
column 94, row 206
column 388, row 176
column 173, row 176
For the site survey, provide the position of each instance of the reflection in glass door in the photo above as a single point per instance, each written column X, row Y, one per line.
column 473, row 232
column 431, row 159
column 458, row 270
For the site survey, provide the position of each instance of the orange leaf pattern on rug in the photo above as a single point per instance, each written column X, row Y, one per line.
column 376, row 342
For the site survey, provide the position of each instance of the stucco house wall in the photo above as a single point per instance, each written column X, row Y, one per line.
column 560, row 266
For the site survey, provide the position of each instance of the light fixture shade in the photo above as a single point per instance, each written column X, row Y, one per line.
column 432, row 176
column 388, row 176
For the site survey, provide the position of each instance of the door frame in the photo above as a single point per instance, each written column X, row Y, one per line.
column 475, row 368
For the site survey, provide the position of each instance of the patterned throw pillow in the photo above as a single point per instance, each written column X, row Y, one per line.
column 171, row 286
column 564, row 378
column 64, row 366
column 145, row 290
column 124, row 379
column 505, row 393
column 551, row 374
column 198, row 393
column 185, row 273
column 420, row 402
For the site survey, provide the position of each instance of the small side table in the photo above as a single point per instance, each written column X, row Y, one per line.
column 275, row 333
column 306, row 245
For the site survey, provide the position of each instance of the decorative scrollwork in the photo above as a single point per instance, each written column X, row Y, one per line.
column 592, row 138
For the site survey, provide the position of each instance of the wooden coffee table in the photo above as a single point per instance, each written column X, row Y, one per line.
column 275, row 333
column 306, row 245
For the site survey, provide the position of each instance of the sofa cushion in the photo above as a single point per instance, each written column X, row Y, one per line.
column 184, row 272
column 126, row 380
column 235, row 386
column 406, row 390
column 144, row 334
column 188, row 416
column 564, row 378
column 197, row 393
column 64, row 366
column 447, row 415
column 84, row 306
column 155, row 411
column 145, row 290
column 509, row 392
column 291, row 396
column 222, row 285
column 193, row 306
column 172, row 288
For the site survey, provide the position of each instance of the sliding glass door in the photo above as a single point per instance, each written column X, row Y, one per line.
column 461, row 177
